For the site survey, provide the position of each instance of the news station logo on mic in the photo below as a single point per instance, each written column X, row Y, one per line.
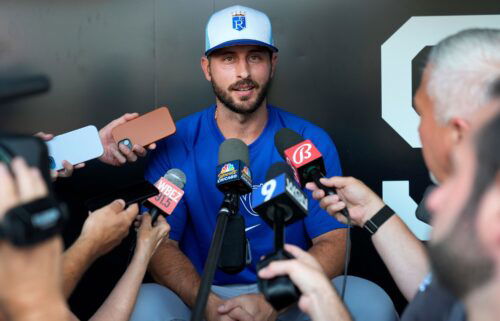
column 169, row 196
column 284, row 190
column 232, row 172
column 301, row 154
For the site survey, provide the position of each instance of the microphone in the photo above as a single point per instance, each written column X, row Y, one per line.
column 233, row 174
column 20, row 87
column 233, row 179
column 304, row 158
column 279, row 202
column 280, row 195
column 170, row 189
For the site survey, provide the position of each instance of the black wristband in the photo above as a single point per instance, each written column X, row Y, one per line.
column 373, row 224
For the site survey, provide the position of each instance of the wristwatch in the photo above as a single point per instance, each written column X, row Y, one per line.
column 34, row 222
column 373, row 224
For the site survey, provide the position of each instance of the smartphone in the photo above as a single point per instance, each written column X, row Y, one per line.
column 32, row 149
column 146, row 129
column 76, row 147
column 134, row 193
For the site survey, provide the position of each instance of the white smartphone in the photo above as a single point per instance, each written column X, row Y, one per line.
column 76, row 147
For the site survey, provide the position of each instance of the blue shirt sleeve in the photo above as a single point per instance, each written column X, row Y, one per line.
column 157, row 165
column 318, row 221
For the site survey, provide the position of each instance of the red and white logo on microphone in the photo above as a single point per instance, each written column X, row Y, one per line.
column 169, row 196
column 302, row 153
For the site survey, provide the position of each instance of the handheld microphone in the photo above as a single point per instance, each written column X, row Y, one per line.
column 282, row 194
column 170, row 193
column 234, row 179
column 280, row 202
column 304, row 158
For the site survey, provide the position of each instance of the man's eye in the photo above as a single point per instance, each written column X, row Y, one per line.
column 254, row 58
column 228, row 59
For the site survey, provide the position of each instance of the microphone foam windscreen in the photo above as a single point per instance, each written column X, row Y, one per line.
column 286, row 138
column 233, row 149
column 278, row 169
column 176, row 177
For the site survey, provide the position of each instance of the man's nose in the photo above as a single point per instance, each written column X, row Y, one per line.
column 242, row 69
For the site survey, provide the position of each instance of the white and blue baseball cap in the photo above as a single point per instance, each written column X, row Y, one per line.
column 238, row 25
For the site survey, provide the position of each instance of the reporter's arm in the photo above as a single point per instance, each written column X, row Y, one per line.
column 120, row 303
column 403, row 254
column 76, row 260
column 102, row 231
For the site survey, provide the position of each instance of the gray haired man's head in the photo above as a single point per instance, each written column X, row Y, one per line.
column 464, row 68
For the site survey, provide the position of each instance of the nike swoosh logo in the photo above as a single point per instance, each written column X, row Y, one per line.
column 251, row 227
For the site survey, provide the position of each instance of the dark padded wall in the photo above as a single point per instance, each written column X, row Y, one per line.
column 106, row 58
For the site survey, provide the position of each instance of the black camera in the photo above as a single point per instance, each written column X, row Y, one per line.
column 40, row 219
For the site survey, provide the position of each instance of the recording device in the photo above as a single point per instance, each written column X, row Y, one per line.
column 32, row 223
column 234, row 179
column 279, row 202
column 133, row 193
column 13, row 88
column 32, row 149
column 304, row 158
column 170, row 188
column 76, row 147
column 146, row 129
column 37, row 220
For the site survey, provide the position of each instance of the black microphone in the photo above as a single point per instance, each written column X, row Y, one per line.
column 21, row 87
column 304, row 158
column 280, row 202
column 280, row 195
column 226, row 252
column 170, row 189
column 234, row 179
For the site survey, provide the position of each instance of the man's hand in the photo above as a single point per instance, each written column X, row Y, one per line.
column 319, row 299
column 362, row 202
column 115, row 154
column 255, row 305
column 107, row 227
column 30, row 277
column 68, row 167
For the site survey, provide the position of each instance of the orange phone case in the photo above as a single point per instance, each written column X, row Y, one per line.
column 146, row 129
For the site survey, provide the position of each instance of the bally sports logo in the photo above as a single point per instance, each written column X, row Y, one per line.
column 302, row 153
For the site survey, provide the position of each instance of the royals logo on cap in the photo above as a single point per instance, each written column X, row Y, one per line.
column 239, row 20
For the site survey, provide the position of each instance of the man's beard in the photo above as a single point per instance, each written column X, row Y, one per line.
column 228, row 101
column 458, row 260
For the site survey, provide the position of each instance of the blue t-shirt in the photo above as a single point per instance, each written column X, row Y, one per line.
column 194, row 149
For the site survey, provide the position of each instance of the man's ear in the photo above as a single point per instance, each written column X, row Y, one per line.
column 274, row 62
column 460, row 127
column 205, row 66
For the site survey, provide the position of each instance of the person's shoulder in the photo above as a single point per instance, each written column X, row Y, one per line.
column 305, row 128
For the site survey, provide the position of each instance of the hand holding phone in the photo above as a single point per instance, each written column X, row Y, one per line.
column 75, row 147
column 121, row 140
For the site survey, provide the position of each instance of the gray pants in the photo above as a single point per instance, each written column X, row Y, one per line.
column 364, row 299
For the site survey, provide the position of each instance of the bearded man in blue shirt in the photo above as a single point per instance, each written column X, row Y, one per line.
column 240, row 61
